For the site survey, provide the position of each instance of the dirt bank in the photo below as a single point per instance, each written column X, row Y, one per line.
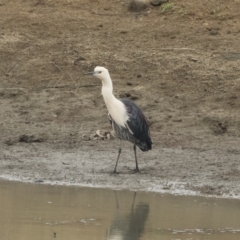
column 179, row 62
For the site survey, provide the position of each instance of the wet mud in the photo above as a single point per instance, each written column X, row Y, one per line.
column 179, row 63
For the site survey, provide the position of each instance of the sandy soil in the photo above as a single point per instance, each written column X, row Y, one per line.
column 179, row 62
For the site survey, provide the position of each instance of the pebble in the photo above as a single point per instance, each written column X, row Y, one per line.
column 213, row 32
column 29, row 138
column 39, row 181
column 137, row 5
column 157, row 2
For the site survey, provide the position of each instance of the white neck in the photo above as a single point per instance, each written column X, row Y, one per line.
column 115, row 107
column 107, row 89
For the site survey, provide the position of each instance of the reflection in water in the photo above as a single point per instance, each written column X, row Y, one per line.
column 37, row 212
column 129, row 226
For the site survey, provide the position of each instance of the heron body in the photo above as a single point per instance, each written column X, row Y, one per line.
column 136, row 129
column 126, row 118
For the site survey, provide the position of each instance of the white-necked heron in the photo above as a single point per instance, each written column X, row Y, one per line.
column 126, row 118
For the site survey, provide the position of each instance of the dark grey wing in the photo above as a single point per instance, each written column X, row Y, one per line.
column 137, row 123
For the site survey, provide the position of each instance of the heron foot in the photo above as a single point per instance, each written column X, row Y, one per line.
column 136, row 170
column 114, row 172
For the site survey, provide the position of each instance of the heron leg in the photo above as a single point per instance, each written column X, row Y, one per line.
column 119, row 152
column 135, row 154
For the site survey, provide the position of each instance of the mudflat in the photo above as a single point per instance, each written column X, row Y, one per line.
column 179, row 62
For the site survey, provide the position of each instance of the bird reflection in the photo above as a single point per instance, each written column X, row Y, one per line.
column 130, row 226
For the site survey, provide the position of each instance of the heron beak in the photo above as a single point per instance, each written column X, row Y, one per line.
column 90, row 73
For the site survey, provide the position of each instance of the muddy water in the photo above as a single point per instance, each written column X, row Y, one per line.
column 31, row 212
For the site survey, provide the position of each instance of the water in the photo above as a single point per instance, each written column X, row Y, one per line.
column 32, row 212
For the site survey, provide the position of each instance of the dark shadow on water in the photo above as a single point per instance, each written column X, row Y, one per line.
column 129, row 226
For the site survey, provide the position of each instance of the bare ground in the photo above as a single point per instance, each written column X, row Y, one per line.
column 179, row 62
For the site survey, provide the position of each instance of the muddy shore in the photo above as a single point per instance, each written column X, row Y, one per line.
column 181, row 65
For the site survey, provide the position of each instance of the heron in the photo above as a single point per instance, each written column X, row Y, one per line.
column 126, row 118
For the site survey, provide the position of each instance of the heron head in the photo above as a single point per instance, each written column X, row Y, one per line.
column 100, row 72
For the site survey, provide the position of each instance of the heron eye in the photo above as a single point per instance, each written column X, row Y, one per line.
column 100, row 71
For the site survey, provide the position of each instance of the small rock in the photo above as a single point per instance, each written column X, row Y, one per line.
column 193, row 59
column 86, row 137
column 213, row 32
column 8, row 74
column 64, row 163
column 39, row 181
column 157, row 2
column 79, row 59
column 137, row 5
column 177, row 120
column 29, row 138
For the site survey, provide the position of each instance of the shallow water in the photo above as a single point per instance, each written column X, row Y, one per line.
column 31, row 212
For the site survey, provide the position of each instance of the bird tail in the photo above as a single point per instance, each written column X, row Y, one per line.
column 144, row 145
